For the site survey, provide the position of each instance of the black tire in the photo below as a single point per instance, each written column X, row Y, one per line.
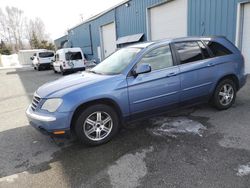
column 80, row 124
column 55, row 71
column 39, row 68
column 34, row 68
column 217, row 97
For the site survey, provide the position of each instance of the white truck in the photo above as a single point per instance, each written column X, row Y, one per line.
column 43, row 59
column 69, row 60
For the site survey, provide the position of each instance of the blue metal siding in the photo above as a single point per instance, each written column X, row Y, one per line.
column 205, row 17
column 132, row 19
column 87, row 35
column 58, row 42
column 212, row 17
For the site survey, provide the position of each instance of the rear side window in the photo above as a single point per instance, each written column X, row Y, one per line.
column 159, row 58
column 73, row 56
column 189, row 52
column 46, row 54
column 217, row 49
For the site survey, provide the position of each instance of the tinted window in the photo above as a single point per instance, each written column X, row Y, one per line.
column 217, row 49
column 189, row 52
column 204, row 50
column 159, row 58
column 46, row 54
column 73, row 55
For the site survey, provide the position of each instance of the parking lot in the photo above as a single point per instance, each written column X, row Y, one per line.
column 196, row 147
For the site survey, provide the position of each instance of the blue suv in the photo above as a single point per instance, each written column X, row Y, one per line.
column 136, row 82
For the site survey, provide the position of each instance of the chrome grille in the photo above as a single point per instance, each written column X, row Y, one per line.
column 35, row 101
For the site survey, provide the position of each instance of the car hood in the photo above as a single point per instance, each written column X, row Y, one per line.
column 69, row 83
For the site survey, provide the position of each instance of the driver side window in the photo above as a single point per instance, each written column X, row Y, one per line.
column 158, row 58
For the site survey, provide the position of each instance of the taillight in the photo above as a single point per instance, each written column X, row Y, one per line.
column 64, row 64
column 84, row 62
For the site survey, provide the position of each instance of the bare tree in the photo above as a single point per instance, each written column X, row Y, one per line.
column 35, row 27
column 3, row 29
column 15, row 25
column 18, row 31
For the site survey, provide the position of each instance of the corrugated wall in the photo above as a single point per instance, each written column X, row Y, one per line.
column 132, row 19
column 212, row 17
column 129, row 20
column 59, row 41
column 205, row 17
column 87, row 36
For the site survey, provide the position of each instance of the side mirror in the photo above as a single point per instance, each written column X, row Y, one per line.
column 31, row 58
column 141, row 69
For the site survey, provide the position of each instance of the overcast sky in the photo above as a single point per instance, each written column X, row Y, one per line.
column 59, row 15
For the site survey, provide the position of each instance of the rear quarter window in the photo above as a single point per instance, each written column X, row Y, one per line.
column 217, row 49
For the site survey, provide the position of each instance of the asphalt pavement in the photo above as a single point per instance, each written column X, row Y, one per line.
column 195, row 147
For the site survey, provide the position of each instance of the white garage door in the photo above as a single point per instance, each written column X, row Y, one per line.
column 168, row 20
column 108, row 39
column 246, row 36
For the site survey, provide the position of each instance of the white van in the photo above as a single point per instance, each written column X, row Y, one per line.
column 42, row 59
column 69, row 60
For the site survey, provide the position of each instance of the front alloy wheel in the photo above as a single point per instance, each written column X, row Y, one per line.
column 96, row 124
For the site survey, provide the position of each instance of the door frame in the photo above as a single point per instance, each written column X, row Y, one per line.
column 101, row 38
column 239, row 23
column 148, row 18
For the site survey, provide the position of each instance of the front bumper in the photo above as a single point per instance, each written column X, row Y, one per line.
column 49, row 124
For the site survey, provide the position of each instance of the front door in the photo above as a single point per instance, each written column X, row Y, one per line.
column 158, row 88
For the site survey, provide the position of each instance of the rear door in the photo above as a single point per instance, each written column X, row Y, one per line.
column 46, row 57
column 158, row 88
column 75, row 59
column 196, row 70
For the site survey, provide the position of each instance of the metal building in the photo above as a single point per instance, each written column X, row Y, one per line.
column 140, row 20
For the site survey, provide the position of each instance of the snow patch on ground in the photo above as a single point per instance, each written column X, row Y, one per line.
column 243, row 170
column 129, row 169
column 176, row 125
column 11, row 178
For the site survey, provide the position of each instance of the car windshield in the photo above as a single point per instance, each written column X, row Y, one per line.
column 46, row 54
column 117, row 62
column 73, row 56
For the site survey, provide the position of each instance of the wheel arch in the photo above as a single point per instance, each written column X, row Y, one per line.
column 83, row 106
column 232, row 77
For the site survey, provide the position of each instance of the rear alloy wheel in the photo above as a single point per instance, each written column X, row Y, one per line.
column 225, row 94
column 97, row 125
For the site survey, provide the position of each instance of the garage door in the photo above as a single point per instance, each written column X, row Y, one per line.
column 246, row 36
column 108, row 39
column 168, row 20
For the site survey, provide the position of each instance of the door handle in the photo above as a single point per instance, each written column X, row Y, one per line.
column 171, row 74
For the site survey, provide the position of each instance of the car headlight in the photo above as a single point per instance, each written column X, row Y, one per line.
column 51, row 105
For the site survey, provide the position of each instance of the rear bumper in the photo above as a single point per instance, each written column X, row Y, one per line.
column 74, row 69
column 49, row 124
